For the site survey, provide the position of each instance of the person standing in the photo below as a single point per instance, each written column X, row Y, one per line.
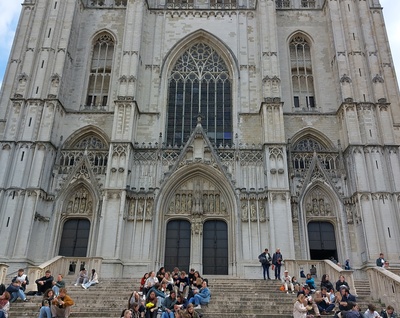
column 265, row 260
column 380, row 261
column 277, row 262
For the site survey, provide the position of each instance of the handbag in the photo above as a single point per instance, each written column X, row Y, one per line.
column 282, row 288
column 273, row 267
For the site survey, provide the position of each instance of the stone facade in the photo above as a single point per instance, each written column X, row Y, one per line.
column 311, row 115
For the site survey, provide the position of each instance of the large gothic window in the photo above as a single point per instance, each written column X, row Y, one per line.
column 100, row 72
column 302, row 77
column 200, row 84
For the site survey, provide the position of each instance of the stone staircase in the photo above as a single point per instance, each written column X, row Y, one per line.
column 231, row 298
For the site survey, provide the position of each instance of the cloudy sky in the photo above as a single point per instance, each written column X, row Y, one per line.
column 10, row 10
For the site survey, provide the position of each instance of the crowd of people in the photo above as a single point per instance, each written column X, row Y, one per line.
column 55, row 301
column 178, row 294
column 173, row 294
column 162, row 294
column 327, row 299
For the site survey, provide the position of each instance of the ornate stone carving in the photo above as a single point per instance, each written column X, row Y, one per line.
column 349, row 208
column 41, row 218
column 378, row 79
column 318, row 203
column 198, row 197
column 253, row 210
column 80, row 202
column 197, row 226
column 345, row 79
column 140, row 208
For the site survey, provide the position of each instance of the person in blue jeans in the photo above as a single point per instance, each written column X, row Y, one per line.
column 277, row 262
column 265, row 260
column 202, row 296
column 323, row 301
column 15, row 291
column 168, row 306
column 45, row 310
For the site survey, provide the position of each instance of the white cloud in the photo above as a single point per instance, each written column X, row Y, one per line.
column 9, row 14
column 391, row 8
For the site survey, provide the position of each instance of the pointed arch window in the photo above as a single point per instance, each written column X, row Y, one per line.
column 100, row 72
column 302, row 76
column 199, row 83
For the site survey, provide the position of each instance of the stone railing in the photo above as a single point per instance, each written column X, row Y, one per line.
column 3, row 273
column 105, row 3
column 385, row 285
column 203, row 5
column 322, row 267
column 298, row 4
column 62, row 265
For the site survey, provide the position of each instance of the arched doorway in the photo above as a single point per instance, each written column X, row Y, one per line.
column 215, row 248
column 75, row 237
column 322, row 240
column 177, row 245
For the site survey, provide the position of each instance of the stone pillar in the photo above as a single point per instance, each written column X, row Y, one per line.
column 269, row 50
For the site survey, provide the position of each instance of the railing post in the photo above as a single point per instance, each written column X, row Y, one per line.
column 3, row 273
column 34, row 273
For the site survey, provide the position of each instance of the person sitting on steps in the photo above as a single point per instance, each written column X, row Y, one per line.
column 44, row 283
column 201, row 297
column 94, row 279
column 45, row 309
column 323, row 300
column 287, row 282
column 61, row 305
column 310, row 282
column 82, row 277
column 311, row 305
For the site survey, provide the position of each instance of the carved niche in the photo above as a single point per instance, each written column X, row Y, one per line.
column 140, row 208
column 318, row 203
column 198, row 196
column 80, row 203
column 253, row 210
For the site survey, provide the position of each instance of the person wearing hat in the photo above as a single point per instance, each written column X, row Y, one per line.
column 287, row 282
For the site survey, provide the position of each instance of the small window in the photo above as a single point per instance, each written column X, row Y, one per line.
column 296, row 102
column 310, row 101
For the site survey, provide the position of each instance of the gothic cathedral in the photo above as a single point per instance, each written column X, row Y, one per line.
column 196, row 133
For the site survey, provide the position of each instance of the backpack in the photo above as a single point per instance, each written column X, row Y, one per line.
column 263, row 259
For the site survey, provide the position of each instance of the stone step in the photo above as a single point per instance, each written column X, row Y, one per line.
column 231, row 298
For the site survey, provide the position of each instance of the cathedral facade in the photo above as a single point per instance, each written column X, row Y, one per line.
column 196, row 133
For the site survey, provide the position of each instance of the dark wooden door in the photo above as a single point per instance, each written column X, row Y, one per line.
column 322, row 241
column 177, row 245
column 75, row 238
column 215, row 248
